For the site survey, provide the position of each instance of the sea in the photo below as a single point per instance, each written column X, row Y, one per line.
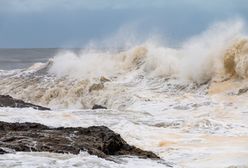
column 187, row 104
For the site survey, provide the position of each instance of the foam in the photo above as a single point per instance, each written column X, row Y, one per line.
column 199, row 59
column 66, row 80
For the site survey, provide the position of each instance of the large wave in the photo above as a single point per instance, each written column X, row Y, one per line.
column 198, row 59
column 113, row 78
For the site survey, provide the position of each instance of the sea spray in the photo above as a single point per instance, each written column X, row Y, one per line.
column 65, row 81
column 198, row 59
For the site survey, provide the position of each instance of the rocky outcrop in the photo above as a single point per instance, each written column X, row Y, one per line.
column 3, row 151
column 242, row 91
column 96, row 140
column 8, row 101
column 96, row 87
column 96, row 106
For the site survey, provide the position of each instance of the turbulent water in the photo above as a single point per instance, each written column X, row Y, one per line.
column 187, row 104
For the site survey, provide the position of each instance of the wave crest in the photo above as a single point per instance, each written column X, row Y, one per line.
column 67, row 79
column 236, row 59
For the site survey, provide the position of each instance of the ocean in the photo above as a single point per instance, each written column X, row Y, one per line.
column 188, row 105
column 23, row 58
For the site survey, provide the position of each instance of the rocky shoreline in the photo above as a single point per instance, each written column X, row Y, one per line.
column 8, row 101
column 96, row 140
column 35, row 137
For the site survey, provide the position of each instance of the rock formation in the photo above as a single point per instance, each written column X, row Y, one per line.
column 96, row 140
column 8, row 101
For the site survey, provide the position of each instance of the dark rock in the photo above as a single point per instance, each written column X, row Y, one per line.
column 96, row 106
column 8, row 101
column 2, row 151
column 96, row 140
column 242, row 91
column 96, row 87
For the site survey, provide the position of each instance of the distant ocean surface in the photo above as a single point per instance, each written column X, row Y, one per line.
column 23, row 58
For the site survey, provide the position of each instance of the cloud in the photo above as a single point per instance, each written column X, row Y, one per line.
column 35, row 5
column 41, row 5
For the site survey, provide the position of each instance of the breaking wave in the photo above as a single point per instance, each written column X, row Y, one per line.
column 114, row 78
column 198, row 59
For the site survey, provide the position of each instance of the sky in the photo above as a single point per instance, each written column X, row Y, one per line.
column 76, row 23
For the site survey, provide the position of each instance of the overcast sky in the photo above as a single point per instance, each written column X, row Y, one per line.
column 75, row 23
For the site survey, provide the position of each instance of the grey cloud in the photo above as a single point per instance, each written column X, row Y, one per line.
column 56, row 23
column 41, row 5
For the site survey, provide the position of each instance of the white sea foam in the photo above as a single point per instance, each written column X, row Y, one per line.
column 83, row 160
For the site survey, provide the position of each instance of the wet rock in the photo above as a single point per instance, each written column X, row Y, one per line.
column 96, row 140
column 8, row 101
column 181, row 107
column 96, row 87
column 242, row 91
column 96, row 106
column 104, row 79
column 2, row 151
column 6, row 150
